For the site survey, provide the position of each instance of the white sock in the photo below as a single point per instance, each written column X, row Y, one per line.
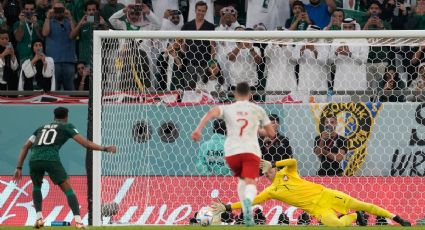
column 77, row 219
column 250, row 191
column 241, row 190
column 39, row 215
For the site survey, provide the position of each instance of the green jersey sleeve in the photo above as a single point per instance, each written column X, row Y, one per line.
column 70, row 130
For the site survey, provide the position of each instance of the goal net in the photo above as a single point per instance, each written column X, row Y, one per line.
column 348, row 106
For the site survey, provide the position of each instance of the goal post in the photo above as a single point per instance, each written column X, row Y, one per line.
column 157, row 176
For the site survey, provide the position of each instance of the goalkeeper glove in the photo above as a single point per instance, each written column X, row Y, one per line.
column 265, row 166
column 219, row 207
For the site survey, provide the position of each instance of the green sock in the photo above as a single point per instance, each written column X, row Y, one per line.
column 73, row 202
column 37, row 198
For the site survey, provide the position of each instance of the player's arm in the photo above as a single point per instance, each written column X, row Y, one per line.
column 211, row 114
column 269, row 131
column 93, row 146
column 21, row 158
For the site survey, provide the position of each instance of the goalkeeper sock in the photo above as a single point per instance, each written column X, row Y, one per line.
column 241, row 190
column 37, row 198
column 73, row 202
column 250, row 192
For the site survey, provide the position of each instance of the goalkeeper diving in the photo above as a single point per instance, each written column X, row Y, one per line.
column 323, row 203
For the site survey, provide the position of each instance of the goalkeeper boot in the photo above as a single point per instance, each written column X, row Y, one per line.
column 39, row 223
column 402, row 222
column 247, row 213
column 361, row 221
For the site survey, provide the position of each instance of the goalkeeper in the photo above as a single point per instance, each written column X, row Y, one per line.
column 317, row 200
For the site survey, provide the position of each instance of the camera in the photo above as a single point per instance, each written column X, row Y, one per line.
column 90, row 18
column 58, row 10
column 40, row 51
column 9, row 45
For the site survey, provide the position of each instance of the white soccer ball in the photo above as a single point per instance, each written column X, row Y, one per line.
column 204, row 216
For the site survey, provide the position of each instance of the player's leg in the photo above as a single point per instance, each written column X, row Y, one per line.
column 36, row 174
column 329, row 218
column 358, row 205
column 235, row 164
column 59, row 177
column 250, row 171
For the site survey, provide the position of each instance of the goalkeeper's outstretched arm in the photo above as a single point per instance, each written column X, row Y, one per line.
column 260, row 198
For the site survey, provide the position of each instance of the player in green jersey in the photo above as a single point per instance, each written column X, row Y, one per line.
column 45, row 143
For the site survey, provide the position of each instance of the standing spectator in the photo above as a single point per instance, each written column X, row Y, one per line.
column 209, row 15
column 330, row 148
column 41, row 8
column 336, row 20
column 276, row 149
column 37, row 71
column 8, row 63
column 27, row 30
column 418, row 84
column 350, row 60
column 378, row 57
column 391, row 81
column 12, row 9
column 280, row 68
column 173, row 20
column 272, row 13
column 109, row 9
column 210, row 159
column 228, row 18
column 160, row 7
column 300, row 19
column 320, row 12
column 59, row 46
column 75, row 8
column 212, row 80
column 82, row 76
column 84, row 30
column 244, row 57
column 199, row 52
column 134, row 18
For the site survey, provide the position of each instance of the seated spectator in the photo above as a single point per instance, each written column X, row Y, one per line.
column 374, row 19
column 37, row 72
column 278, row 148
column 173, row 20
column 391, row 81
column 171, row 66
column 418, row 84
column 228, row 19
column 82, row 76
column 8, row 63
column 336, row 20
column 109, row 9
column 300, row 19
column 212, row 80
column 320, row 12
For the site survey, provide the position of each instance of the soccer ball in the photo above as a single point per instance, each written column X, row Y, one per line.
column 204, row 216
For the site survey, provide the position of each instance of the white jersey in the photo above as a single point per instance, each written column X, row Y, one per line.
column 243, row 119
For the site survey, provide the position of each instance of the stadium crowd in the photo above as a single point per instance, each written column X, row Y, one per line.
column 46, row 45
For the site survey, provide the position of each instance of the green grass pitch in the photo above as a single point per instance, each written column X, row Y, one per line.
column 223, row 227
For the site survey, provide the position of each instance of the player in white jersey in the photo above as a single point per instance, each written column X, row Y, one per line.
column 241, row 149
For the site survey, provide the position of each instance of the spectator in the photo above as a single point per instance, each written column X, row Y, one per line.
column 134, row 18
column 349, row 60
column 84, row 31
column 401, row 16
column 280, row 68
column 59, row 46
column 330, row 148
column 160, row 7
column 271, row 13
column 418, row 84
column 320, row 12
column 199, row 52
column 387, row 7
column 173, row 20
column 3, row 20
column 8, row 63
column 228, row 18
column 312, row 58
column 12, row 9
column 336, row 20
column 416, row 19
column 351, row 8
column 75, row 8
column 109, row 9
column 210, row 159
column 278, row 148
column 27, row 30
column 300, row 19
column 244, row 57
column 37, row 71
column 391, row 81
column 378, row 58
column 172, row 66
column 209, row 15
column 82, row 76
column 41, row 8
column 212, row 80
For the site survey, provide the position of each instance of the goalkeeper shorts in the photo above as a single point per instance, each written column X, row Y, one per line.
column 244, row 165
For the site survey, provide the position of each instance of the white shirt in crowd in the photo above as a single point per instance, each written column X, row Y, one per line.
column 160, row 6
column 280, row 69
column 152, row 22
column 30, row 71
column 14, row 66
column 210, row 11
column 350, row 71
column 243, row 118
column 244, row 67
column 275, row 14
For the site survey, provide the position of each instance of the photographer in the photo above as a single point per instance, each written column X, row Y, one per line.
column 173, row 20
column 84, row 30
column 330, row 148
column 138, row 17
column 26, row 30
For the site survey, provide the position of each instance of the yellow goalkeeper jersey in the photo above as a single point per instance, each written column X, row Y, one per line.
column 289, row 188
